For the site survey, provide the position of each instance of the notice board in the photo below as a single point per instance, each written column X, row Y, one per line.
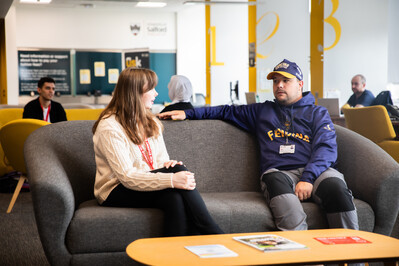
column 97, row 71
column 164, row 64
column 33, row 65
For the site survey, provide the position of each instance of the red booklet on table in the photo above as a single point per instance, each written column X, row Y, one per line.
column 342, row 240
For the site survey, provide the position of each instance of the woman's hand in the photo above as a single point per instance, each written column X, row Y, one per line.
column 184, row 180
column 172, row 163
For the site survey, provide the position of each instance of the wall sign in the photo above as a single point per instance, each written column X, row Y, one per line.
column 33, row 65
column 140, row 59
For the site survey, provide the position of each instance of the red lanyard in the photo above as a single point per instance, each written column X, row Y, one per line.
column 148, row 159
column 48, row 112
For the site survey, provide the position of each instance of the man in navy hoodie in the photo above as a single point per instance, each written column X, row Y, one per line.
column 298, row 150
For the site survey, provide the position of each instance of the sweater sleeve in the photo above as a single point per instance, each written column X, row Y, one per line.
column 324, row 147
column 115, row 149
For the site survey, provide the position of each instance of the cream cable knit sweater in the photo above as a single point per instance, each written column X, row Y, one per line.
column 119, row 160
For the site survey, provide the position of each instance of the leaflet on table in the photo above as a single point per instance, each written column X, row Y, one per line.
column 342, row 240
column 211, row 251
column 269, row 242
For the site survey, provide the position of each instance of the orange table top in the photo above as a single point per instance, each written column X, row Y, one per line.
column 172, row 251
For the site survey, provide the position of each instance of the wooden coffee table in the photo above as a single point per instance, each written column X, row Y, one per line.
column 172, row 251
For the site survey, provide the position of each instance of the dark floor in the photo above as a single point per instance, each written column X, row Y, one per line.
column 19, row 239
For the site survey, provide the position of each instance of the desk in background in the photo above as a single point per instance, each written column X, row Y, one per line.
column 339, row 120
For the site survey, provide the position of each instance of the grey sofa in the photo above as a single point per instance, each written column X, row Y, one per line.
column 75, row 230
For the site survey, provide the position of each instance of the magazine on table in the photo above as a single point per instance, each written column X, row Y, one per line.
column 211, row 251
column 269, row 242
column 342, row 240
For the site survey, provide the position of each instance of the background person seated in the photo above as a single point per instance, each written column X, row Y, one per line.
column 360, row 97
column 180, row 92
column 43, row 107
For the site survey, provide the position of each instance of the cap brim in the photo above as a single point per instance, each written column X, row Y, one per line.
column 285, row 74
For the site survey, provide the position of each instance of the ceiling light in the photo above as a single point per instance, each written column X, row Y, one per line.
column 87, row 5
column 35, row 1
column 220, row 2
column 151, row 4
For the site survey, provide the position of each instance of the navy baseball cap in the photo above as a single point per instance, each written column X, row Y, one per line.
column 287, row 69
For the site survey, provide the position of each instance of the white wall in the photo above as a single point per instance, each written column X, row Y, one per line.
column 11, row 56
column 191, row 46
column 92, row 28
column 362, row 48
column 291, row 40
column 231, row 24
column 37, row 26
column 368, row 43
column 393, row 42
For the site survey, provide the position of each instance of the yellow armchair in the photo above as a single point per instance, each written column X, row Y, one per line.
column 83, row 114
column 12, row 138
column 10, row 114
column 373, row 122
column 7, row 115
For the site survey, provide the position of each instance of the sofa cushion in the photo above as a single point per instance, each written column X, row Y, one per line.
column 108, row 229
column 223, row 157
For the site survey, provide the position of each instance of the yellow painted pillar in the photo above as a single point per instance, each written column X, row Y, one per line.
column 208, row 52
column 252, row 46
column 316, row 47
column 3, row 63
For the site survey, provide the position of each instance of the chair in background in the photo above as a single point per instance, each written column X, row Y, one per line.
column 83, row 114
column 373, row 122
column 383, row 98
column 198, row 100
column 12, row 138
column 7, row 115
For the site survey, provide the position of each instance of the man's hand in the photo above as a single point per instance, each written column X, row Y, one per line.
column 171, row 163
column 184, row 180
column 174, row 115
column 303, row 190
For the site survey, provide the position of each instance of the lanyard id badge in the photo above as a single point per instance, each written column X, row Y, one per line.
column 48, row 112
column 287, row 148
column 148, row 159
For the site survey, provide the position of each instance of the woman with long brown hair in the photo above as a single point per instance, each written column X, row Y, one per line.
column 133, row 166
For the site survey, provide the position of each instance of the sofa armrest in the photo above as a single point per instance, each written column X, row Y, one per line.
column 371, row 174
column 60, row 163
column 53, row 200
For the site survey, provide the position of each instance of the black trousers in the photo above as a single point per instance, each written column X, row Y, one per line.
column 185, row 212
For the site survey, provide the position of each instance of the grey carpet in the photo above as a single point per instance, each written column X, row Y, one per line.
column 19, row 239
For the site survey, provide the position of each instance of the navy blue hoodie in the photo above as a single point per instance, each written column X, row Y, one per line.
column 304, row 124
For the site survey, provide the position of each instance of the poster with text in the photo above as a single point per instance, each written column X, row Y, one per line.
column 33, row 65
